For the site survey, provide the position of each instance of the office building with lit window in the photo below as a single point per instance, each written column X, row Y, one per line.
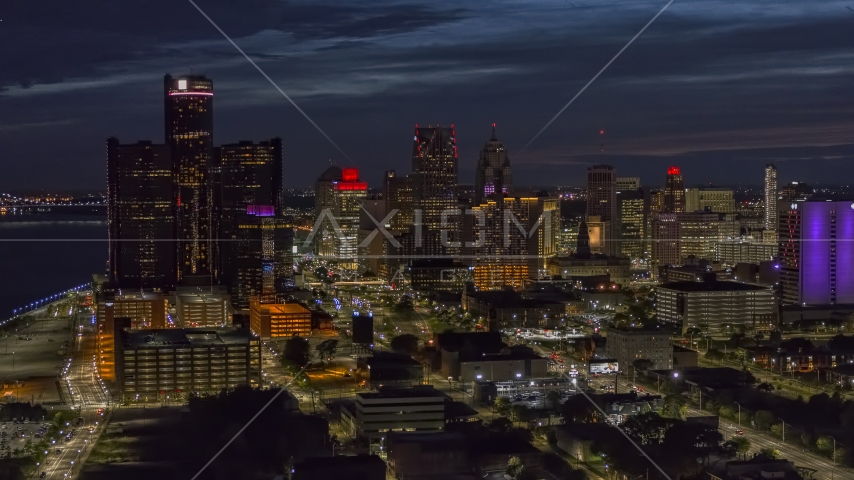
column 278, row 320
column 152, row 365
column 602, row 207
column 189, row 136
column 626, row 346
column 715, row 303
column 493, row 174
column 628, row 184
column 673, row 195
column 397, row 193
column 374, row 414
column 718, row 200
column 254, row 240
column 816, row 251
column 140, row 216
column 202, row 306
column 633, row 207
column 771, row 197
column 349, row 194
column 434, row 187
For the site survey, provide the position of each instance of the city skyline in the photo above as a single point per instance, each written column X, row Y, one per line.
column 104, row 97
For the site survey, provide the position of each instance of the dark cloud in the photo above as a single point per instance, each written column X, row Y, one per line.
column 709, row 80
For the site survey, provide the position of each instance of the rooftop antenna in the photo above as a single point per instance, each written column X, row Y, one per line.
column 602, row 142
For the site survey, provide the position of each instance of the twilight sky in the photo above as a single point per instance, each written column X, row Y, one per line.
column 717, row 87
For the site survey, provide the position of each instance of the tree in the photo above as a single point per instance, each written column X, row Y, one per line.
column 771, row 452
column 738, row 445
column 514, row 466
column 297, row 352
column 501, row 405
column 647, row 428
column 824, row 443
column 714, row 354
column 577, row 409
column 326, row 349
column 406, row 343
column 642, row 365
column 764, row 419
column 405, row 304
column 675, row 406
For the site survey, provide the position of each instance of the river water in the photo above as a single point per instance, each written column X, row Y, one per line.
column 44, row 254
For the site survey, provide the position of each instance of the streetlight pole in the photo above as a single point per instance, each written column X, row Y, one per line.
column 739, row 414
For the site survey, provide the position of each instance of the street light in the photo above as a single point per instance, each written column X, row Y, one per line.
column 739, row 414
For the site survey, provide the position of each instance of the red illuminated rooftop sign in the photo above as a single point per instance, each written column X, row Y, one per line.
column 350, row 174
column 673, row 171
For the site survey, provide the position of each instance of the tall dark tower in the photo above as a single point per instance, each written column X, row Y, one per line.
column 434, row 169
column 602, row 205
column 251, row 190
column 189, row 135
column 139, row 216
column 674, row 192
column 493, row 174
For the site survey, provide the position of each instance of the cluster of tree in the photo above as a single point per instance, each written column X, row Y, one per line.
column 640, row 309
column 296, row 354
column 269, row 444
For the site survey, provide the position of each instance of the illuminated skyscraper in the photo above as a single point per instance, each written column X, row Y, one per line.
column 634, row 218
column 324, row 205
column 434, row 173
column 493, row 174
column 349, row 194
column 140, row 216
column 816, row 251
column 255, row 244
column 397, row 193
column 718, row 200
column 189, row 135
column 673, row 196
column 770, row 197
column 602, row 205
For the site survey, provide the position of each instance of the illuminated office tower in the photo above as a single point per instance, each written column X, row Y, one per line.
column 770, row 197
column 434, row 173
column 397, row 192
column 634, row 218
column 816, row 251
column 140, row 216
column 324, row 206
column 673, row 196
column 602, row 205
column 628, row 184
column 254, row 242
column 349, row 194
column 513, row 240
column 718, row 200
column 700, row 232
column 493, row 174
column 189, row 135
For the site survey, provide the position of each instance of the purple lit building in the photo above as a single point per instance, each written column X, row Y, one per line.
column 816, row 251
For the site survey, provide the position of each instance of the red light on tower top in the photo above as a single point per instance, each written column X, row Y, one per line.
column 673, row 171
column 350, row 174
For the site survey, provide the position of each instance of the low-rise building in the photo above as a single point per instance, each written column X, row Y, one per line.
column 566, row 266
column 144, row 309
column 416, row 456
column 687, row 304
column 629, row 345
column 373, row 415
column 278, row 320
column 511, row 309
column 154, row 364
column 202, row 306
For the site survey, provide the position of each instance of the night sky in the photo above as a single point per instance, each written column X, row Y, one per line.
column 717, row 87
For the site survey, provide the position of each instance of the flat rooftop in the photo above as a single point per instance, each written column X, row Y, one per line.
column 284, row 308
column 184, row 337
column 717, row 286
column 413, row 392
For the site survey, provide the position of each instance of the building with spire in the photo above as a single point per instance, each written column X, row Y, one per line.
column 602, row 209
column 493, row 174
